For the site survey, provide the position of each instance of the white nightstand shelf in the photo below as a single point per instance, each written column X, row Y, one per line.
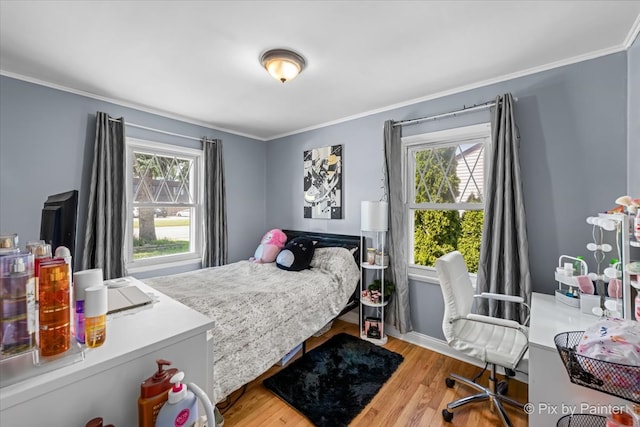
column 376, row 341
column 373, row 263
column 370, row 303
column 368, row 266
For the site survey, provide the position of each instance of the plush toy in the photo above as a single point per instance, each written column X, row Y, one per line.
column 270, row 245
column 296, row 255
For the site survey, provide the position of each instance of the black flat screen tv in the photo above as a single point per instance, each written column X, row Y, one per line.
column 59, row 218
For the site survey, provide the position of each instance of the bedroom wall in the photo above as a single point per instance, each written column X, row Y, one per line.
column 573, row 127
column 634, row 119
column 46, row 147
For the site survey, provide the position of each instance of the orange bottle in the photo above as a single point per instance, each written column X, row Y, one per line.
column 154, row 392
column 53, row 297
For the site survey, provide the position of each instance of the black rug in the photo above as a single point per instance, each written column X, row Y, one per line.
column 332, row 383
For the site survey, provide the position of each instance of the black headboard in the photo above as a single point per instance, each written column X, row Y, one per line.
column 325, row 240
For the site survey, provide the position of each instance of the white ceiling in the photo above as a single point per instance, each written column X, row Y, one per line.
column 199, row 60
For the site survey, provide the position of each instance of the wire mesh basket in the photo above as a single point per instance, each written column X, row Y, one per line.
column 582, row 420
column 612, row 378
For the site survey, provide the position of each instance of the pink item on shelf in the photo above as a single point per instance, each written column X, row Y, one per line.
column 614, row 290
column 585, row 285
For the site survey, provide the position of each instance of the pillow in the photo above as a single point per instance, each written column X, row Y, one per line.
column 325, row 258
column 296, row 255
column 270, row 246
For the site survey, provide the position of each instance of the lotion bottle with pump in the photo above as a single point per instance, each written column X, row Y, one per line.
column 182, row 407
column 154, row 393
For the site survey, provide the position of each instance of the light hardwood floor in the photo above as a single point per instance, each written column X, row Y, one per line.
column 414, row 396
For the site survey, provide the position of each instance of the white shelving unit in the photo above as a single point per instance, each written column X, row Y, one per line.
column 631, row 279
column 373, row 232
column 369, row 273
column 625, row 241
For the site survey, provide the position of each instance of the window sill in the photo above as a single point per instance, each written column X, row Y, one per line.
column 429, row 276
column 423, row 274
column 424, row 278
column 163, row 266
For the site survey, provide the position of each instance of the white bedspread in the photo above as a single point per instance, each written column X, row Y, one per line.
column 260, row 311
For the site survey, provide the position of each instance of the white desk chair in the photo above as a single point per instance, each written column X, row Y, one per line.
column 494, row 341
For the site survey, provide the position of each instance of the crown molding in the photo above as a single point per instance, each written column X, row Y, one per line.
column 633, row 33
column 126, row 104
column 631, row 36
column 476, row 85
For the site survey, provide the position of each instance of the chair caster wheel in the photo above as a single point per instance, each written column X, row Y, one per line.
column 449, row 382
column 447, row 416
column 502, row 388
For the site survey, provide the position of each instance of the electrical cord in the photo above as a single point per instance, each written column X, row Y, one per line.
column 229, row 403
column 479, row 374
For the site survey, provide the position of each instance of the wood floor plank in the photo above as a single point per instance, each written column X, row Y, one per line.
column 414, row 396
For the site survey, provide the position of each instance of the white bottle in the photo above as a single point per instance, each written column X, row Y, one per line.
column 182, row 407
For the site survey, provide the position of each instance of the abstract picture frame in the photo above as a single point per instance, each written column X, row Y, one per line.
column 323, row 169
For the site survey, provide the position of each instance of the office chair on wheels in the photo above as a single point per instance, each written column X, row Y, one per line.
column 497, row 342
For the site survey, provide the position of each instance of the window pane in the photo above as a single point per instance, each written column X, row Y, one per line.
column 161, row 230
column 445, row 193
column 437, row 232
column 161, row 179
column 449, row 174
column 436, row 180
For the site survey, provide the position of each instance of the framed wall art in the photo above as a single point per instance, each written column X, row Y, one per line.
column 323, row 182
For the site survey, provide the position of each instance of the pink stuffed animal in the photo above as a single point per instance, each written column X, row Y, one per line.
column 270, row 246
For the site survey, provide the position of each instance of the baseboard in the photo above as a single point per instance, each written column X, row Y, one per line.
column 433, row 344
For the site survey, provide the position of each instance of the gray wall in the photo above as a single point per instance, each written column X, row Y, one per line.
column 634, row 119
column 573, row 127
column 46, row 147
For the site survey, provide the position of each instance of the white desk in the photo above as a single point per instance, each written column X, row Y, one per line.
column 550, row 390
column 107, row 382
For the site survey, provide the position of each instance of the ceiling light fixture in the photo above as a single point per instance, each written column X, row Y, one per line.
column 282, row 64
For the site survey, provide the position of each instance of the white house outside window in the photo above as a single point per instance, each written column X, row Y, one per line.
column 444, row 180
column 164, row 185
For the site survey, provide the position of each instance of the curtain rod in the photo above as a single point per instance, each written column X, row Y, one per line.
column 157, row 130
column 475, row 107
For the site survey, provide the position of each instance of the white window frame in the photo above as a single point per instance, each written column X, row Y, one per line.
column 443, row 138
column 196, row 219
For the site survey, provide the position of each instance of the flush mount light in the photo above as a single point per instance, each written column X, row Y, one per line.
column 282, row 64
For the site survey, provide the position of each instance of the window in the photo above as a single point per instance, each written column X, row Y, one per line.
column 164, row 194
column 444, row 193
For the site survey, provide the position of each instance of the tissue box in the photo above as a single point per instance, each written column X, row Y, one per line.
column 588, row 302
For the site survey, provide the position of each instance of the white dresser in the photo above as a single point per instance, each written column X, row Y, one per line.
column 551, row 393
column 107, row 382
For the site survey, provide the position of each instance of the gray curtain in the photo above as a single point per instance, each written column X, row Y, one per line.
column 215, row 205
column 104, row 234
column 504, row 252
column 398, row 311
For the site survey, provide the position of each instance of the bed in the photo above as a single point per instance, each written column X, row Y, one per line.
column 262, row 312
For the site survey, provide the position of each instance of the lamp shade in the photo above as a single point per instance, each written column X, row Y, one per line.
column 374, row 216
column 282, row 64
